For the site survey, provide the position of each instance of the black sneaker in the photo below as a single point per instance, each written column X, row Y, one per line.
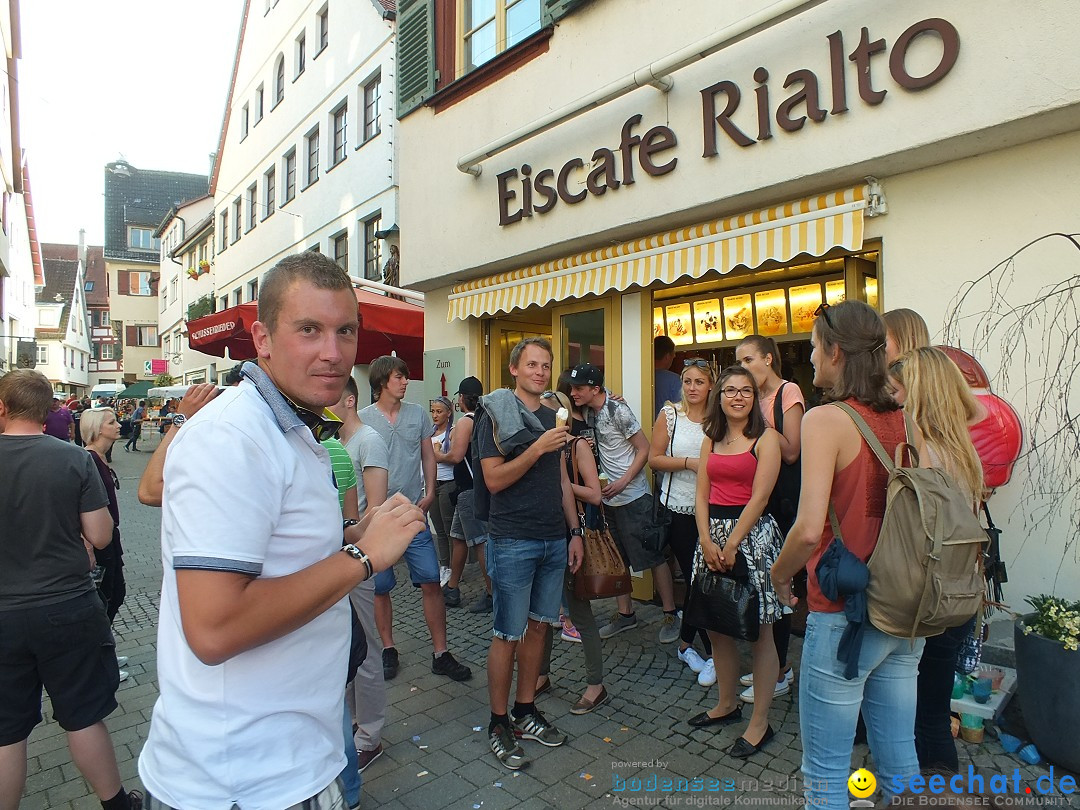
column 135, row 800
column 389, row 663
column 445, row 664
column 536, row 727
column 452, row 596
column 506, row 748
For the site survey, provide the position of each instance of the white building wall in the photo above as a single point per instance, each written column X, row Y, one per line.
column 18, row 305
column 360, row 46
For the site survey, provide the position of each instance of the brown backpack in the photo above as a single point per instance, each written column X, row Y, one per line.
column 926, row 571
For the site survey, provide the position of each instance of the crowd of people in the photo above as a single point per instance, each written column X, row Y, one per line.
column 272, row 682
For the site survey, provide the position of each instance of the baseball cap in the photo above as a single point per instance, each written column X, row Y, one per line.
column 586, row 374
column 470, row 386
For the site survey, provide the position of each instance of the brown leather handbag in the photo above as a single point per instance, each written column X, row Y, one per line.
column 603, row 573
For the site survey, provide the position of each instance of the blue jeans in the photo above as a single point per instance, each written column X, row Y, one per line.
column 526, row 583
column 885, row 690
column 422, row 560
column 350, row 776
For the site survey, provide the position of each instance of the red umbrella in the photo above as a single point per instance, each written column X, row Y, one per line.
column 386, row 325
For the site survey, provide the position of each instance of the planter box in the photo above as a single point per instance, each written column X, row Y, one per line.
column 1048, row 676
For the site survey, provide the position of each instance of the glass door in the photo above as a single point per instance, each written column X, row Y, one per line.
column 502, row 337
column 586, row 336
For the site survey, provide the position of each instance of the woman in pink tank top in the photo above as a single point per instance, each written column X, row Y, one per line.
column 742, row 460
column 839, row 468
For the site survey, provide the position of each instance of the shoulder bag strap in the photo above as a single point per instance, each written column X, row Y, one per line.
column 778, row 409
column 576, row 477
column 671, row 453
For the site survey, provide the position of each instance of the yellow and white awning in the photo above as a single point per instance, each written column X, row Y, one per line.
column 812, row 226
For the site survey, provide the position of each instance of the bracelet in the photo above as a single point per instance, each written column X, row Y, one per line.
column 357, row 553
column 686, row 463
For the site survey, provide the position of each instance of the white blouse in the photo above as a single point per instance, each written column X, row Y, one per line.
column 679, row 489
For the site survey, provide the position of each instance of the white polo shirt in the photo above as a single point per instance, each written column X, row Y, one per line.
column 247, row 490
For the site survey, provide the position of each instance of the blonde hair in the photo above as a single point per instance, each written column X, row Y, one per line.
column 942, row 405
column 908, row 329
column 91, row 421
column 683, row 405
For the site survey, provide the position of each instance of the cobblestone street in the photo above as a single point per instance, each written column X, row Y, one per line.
column 435, row 737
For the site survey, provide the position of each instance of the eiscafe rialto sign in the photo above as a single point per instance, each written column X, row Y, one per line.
column 742, row 114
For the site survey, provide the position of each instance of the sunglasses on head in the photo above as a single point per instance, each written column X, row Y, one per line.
column 695, row 361
column 322, row 426
column 823, row 310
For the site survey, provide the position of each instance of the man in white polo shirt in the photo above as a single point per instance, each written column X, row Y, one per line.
column 253, row 635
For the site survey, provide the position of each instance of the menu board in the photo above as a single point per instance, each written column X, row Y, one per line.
column 871, row 291
column 738, row 317
column 708, row 320
column 805, row 299
column 835, row 292
column 658, row 322
column 771, row 306
column 680, row 327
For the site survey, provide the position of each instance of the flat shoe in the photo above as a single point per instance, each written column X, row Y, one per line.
column 703, row 720
column 743, row 748
column 545, row 688
column 584, row 706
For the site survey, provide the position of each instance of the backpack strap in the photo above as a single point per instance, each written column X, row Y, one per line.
column 778, row 409
column 869, row 436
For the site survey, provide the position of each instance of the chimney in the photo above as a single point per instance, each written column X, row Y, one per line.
column 82, row 246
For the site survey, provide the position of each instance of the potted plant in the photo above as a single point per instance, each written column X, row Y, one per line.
column 1047, row 673
column 204, row 267
column 192, row 273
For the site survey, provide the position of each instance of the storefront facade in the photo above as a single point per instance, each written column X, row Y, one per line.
column 887, row 152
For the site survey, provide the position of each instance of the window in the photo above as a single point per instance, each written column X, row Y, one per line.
column 236, row 297
column 324, row 27
column 164, row 298
column 168, row 346
column 99, row 317
column 493, row 26
column 88, row 286
column 238, row 213
column 42, row 353
column 301, row 53
column 279, row 80
column 143, row 239
column 313, row 156
column 224, row 229
column 203, row 248
column 372, row 255
column 252, row 202
column 258, row 104
column 314, row 249
column 269, row 191
column 139, row 283
column 341, row 125
column 105, row 351
column 290, row 175
column 245, row 121
column 253, row 290
column 223, row 303
column 82, row 362
column 172, row 289
column 372, row 92
column 144, row 336
column 341, row 250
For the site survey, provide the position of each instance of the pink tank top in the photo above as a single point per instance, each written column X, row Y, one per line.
column 731, row 478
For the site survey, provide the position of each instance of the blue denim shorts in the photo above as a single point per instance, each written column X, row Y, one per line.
column 466, row 526
column 422, row 561
column 526, row 583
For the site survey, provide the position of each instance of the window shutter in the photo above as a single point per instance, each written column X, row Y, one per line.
column 415, row 54
column 555, row 10
column 131, row 336
column 123, row 282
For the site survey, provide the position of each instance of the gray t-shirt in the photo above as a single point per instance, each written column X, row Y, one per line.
column 47, row 484
column 531, row 507
column 366, row 449
column 412, row 426
column 615, row 424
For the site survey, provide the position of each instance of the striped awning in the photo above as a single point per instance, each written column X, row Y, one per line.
column 807, row 227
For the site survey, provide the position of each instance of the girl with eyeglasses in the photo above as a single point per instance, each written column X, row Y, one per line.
column 840, row 470
column 742, row 461
column 673, row 456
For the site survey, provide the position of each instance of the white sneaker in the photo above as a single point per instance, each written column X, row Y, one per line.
column 708, row 674
column 123, row 675
column 783, row 686
column 690, row 657
column 444, row 575
column 121, row 660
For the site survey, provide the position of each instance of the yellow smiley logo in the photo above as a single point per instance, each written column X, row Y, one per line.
column 862, row 783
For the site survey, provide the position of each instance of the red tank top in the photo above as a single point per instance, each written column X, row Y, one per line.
column 858, row 495
column 731, row 478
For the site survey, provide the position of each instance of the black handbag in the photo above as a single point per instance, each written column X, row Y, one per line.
column 724, row 602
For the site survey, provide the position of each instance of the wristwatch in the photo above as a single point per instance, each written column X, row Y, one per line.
column 358, row 554
column 178, row 419
column 577, row 533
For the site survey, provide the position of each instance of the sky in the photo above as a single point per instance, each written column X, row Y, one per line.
column 145, row 80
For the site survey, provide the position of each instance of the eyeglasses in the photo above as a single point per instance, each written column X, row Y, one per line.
column 823, row 310
column 695, row 361
column 896, row 368
column 322, row 426
column 731, row 392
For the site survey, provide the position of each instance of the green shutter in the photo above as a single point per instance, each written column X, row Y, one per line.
column 555, row 10
column 415, row 54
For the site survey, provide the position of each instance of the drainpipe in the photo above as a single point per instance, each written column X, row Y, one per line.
column 657, row 74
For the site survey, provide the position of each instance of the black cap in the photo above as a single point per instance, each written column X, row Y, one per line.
column 470, row 386
column 586, row 374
